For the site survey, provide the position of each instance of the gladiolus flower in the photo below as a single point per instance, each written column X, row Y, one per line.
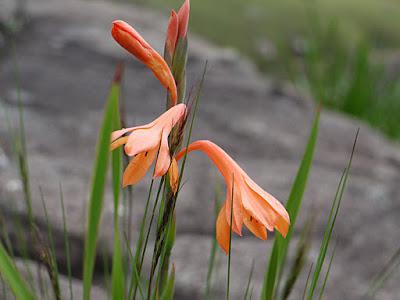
column 133, row 42
column 144, row 142
column 252, row 206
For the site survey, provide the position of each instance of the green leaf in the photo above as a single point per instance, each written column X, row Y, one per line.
column 117, row 276
column 97, row 190
column 12, row 276
column 279, row 249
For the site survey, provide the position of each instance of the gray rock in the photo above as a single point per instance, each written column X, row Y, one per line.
column 66, row 59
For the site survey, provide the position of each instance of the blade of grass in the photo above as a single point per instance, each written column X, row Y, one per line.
column 97, row 191
column 279, row 249
column 117, row 276
column 13, row 277
column 230, row 243
column 20, row 141
column 321, row 292
column 331, row 223
column 50, row 253
column 384, row 274
column 300, row 258
column 66, row 243
column 140, row 247
column 131, row 258
column 214, row 246
column 168, row 293
column 307, row 281
column 249, row 281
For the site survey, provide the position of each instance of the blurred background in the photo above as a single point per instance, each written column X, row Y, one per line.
column 271, row 64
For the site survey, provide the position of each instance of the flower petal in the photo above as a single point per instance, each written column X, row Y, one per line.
column 134, row 43
column 272, row 201
column 138, row 167
column 254, row 226
column 121, row 132
column 164, row 158
column 118, row 143
column 142, row 140
column 172, row 35
column 282, row 220
column 183, row 15
column 237, row 218
column 173, row 173
column 223, row 230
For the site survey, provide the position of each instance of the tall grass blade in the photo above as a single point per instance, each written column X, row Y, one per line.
column 117, row 276
column 279, row 249
column 331, row 223
column 20, row 142
column 66, row 244
column 300, row 258
column 307, row 281
column 213, row 251
column 168, row 292
column 13, row 277
column 228, row 280
column 246, row 293
column 131, row 258
column 97, row 190
column 322, row 290
column 50, row 253
column 140, row 247
column 384, row 274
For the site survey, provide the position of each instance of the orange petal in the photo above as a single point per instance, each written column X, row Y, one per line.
column 173, row 173
column 142, row 140
column 282, row 226
column 237, row 218
column 254, row 226
column 172, row 34
column 281, row 219
column 164, row 158
column 118, row 133
column 138, row 167
column 133, row 42
column 223, row 230
column 183, row 15
column 118, row 143
column 272, row 201
column 259, row 209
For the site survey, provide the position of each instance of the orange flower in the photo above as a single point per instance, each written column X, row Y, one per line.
column 177, row 27
column 252, row 206
column 144, row 142
column 133, row 42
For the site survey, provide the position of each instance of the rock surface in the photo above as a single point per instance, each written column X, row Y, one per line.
column 66, row 59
